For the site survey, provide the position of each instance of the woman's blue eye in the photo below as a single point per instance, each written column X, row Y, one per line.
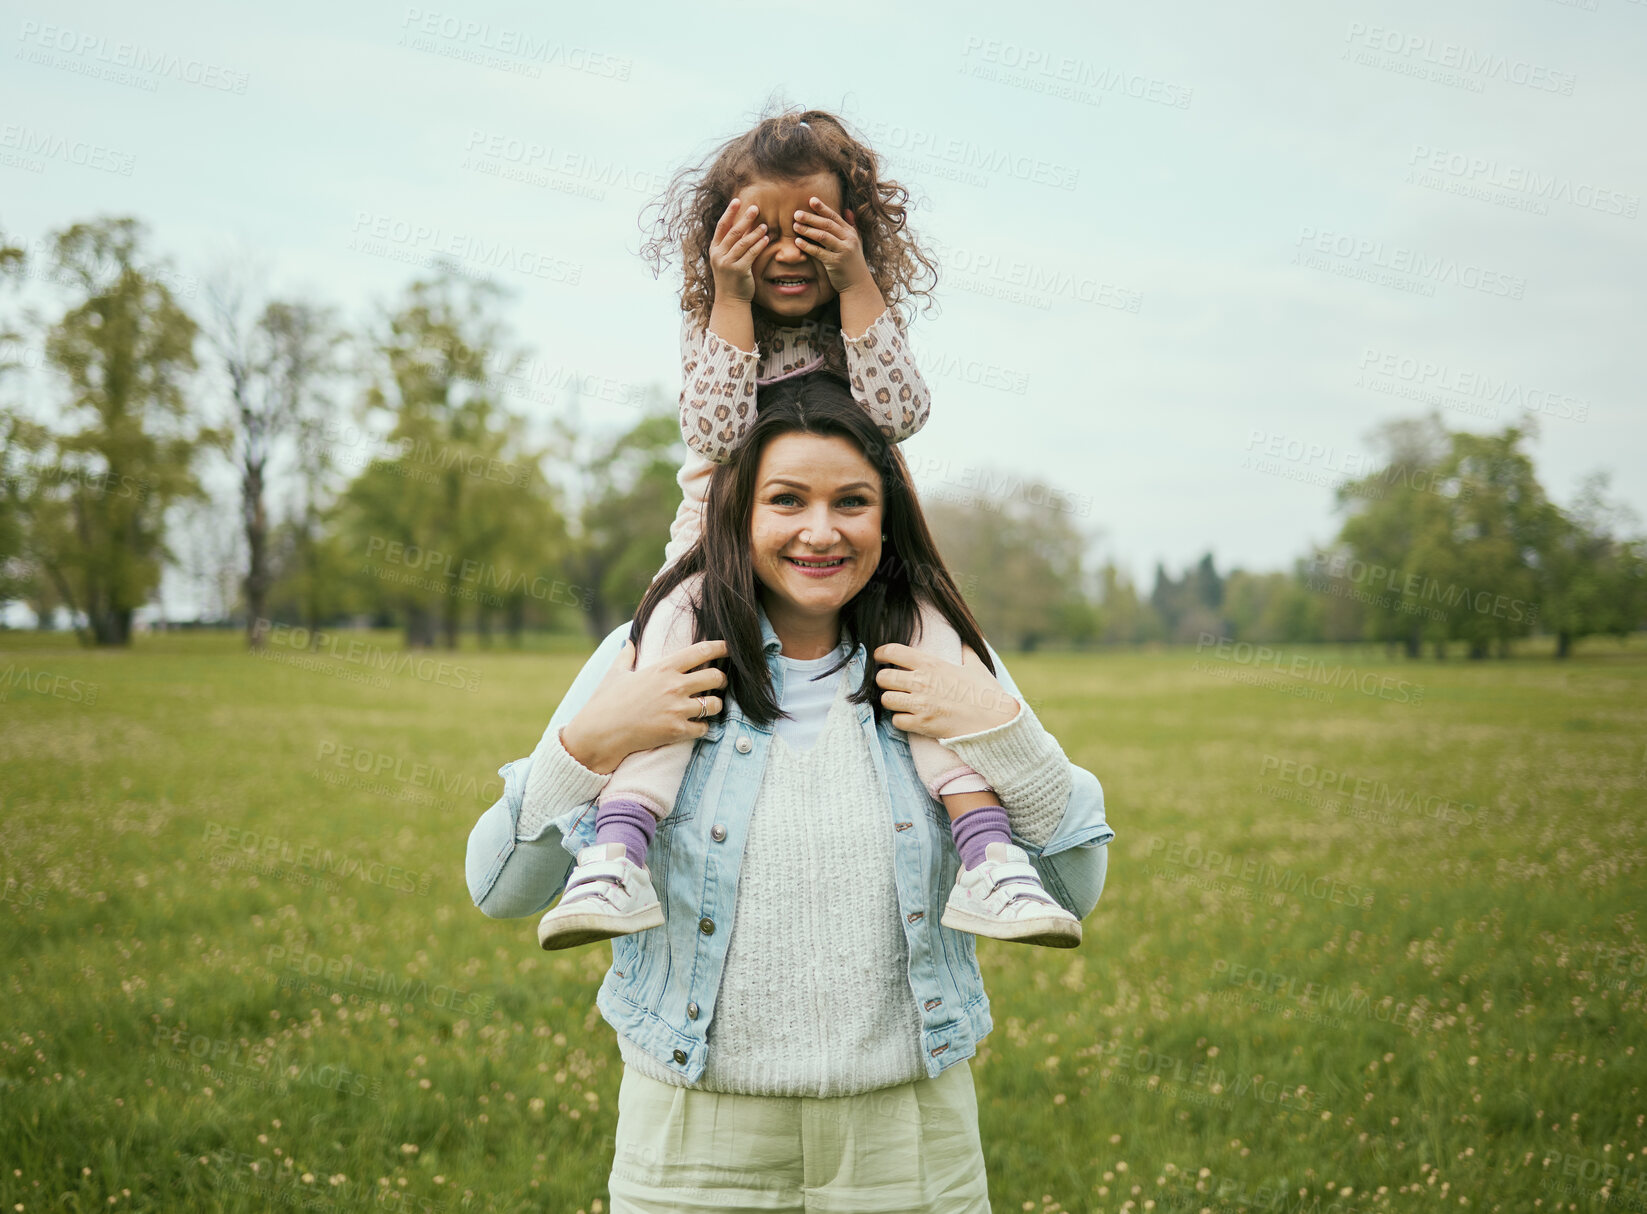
column 853, row 500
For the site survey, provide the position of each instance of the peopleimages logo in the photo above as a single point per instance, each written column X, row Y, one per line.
column 444, row 570
column 1305, row 668
column 31, row 141
column 1455, row 57
column 310, row 650
column 1202, row 1191
column 382, row 235
column 47, row 683
column 362, row 448
column 104, row 58
column 534, row 162
column 1318, row 463
column 1258, row 874
column 40, row 264
column 1376, row 793
column 344, row 973
column 221, row 841
column 967, row 160
column 1421, row 588
column 380, row 765
column 1366, row 253
column 1180, row 1077
column 1628, row 1180
column 989, row 271
column 501, row 46
column 38, row 478
column 257, row 1066
column 1463, row 168
column 987, row 482
column 1490, row 390
column 1078, row 74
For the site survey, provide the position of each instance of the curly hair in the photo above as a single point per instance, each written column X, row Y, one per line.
column 785, row 144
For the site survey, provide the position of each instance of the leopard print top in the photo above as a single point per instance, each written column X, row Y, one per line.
column 718, row 380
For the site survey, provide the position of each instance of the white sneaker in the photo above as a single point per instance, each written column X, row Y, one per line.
column 1003, row 898
column 607, row 895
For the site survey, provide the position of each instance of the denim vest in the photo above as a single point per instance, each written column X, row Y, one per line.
column 661, row 987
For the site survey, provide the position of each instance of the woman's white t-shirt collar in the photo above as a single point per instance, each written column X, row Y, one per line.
column 806, row 698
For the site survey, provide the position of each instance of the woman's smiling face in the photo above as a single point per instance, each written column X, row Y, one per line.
column 815, row 529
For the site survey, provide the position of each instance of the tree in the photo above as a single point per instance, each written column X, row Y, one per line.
column 1272, row 607
column 1123, row 619
column 1589, row 579
column 1207, row 586
column 1492, row 525
column 629, row 500
column 1017, row 561
column 1395, row 527
column 1469, row 547
column 309, row 553
column 274, row 363
column 311, row 577
column 437, row 518
column 535, row 548
column 15, row 579
column 1191, row 605
column 125, row 348
column 206, row 557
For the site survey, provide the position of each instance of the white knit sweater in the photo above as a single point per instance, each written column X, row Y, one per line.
column 814, row 997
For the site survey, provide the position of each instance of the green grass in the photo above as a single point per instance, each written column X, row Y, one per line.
column 1450, row 967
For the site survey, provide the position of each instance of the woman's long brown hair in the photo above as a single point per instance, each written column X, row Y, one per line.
column 885, row 611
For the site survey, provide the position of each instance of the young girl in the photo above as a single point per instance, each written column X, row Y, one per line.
column 792, row 246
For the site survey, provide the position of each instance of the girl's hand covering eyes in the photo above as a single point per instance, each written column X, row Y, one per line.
column 737, row 241
column 834, row 243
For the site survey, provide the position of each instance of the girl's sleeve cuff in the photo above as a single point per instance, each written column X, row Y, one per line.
column 1027, row 769
column 719, row 347
column 558, row 782
column 878, row 329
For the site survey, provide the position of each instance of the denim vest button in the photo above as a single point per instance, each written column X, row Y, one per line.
column 914, row 915
column 680, row 1057
column 691, row 1011
column 743, row 744
column 717, row 832
column 706, row 925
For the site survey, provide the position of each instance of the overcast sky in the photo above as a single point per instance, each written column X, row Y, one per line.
column 1191, row 252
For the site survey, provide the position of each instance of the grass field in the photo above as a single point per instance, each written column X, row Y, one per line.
column 240, row 975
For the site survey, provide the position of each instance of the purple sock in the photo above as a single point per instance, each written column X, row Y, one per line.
column 977, row 829
column 629, row 823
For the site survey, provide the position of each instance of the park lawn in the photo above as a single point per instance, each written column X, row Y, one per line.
column 1420, row 987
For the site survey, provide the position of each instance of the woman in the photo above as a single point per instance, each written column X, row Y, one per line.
column 803, row 894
